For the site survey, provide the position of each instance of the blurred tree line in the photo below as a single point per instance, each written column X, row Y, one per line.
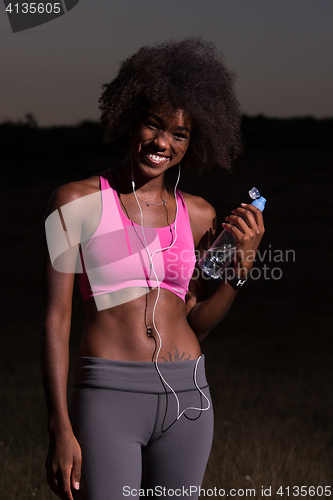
column 46, row 151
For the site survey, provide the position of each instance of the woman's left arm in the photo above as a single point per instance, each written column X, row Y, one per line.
column 203, row 311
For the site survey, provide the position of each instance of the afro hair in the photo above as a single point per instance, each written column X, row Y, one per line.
column 189, row 75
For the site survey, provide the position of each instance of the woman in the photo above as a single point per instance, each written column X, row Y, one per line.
column 140, row 414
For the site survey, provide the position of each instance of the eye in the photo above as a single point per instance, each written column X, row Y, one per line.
column 151, row 124
column 180, row 137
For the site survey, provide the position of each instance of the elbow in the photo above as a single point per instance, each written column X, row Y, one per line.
column 199, row 331
column 202, row 335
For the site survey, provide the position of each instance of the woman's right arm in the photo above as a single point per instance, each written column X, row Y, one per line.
column 63, row 464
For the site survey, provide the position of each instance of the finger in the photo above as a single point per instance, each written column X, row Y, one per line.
column 246, row 215
column 239, row 222
column 51, row 478
column 67, row 486
column 76, row 472
column 233, row 229
column 64, row 485
column 256, row 212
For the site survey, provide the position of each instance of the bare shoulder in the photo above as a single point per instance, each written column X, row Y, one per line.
column 198, row 207
column 202, row 216
column 73, row 191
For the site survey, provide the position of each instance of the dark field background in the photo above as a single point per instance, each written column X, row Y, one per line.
column 268, row 363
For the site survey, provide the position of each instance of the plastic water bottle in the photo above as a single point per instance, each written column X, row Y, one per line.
column 222, row 252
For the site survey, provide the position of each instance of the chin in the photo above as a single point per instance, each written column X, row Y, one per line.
column 150, row 168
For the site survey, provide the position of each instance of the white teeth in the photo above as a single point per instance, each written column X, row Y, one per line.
column 156, row 157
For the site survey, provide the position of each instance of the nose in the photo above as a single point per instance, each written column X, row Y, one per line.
column 161, row 141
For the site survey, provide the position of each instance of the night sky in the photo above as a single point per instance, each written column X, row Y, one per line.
column 281, row 51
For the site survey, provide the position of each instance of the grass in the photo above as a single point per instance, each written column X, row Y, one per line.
column 273, row 428
column 268, row 362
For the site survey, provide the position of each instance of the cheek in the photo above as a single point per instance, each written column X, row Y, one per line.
column 141, row 137
column 137, row 139
column 182, row 150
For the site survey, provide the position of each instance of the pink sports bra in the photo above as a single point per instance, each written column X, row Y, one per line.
column 116, row 257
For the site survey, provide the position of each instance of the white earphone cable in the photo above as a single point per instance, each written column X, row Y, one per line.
column 151, row 265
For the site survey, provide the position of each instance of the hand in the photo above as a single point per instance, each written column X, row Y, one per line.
column 248, row 229
column 63, row 464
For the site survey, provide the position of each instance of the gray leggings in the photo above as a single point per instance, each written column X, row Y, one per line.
column 125, row 419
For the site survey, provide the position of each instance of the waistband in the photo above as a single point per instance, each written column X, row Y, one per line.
column 139, row 376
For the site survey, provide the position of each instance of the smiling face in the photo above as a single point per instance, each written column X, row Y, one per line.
column 160, row 139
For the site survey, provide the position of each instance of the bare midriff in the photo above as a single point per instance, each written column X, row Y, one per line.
column 120, row 332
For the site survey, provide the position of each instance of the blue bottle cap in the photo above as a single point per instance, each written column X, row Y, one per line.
column 259, row 203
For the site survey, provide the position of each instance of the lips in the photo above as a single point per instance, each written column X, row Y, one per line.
column 156, row 159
